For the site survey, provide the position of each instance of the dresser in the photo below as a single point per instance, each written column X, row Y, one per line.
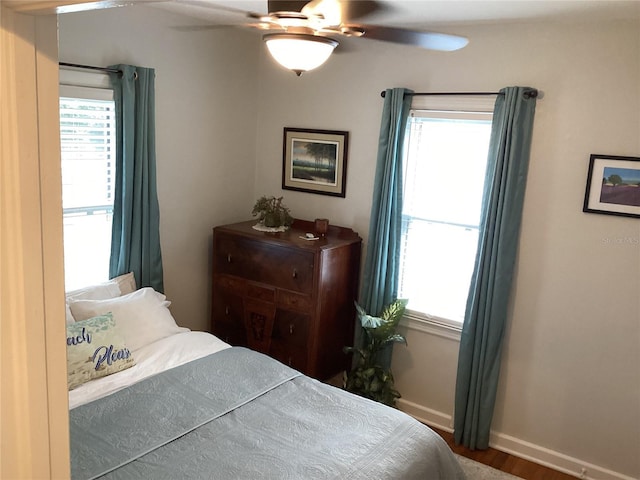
column 286, row 296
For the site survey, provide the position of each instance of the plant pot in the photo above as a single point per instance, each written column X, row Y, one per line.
column 271, row 220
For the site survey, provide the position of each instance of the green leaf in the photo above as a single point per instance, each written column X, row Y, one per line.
column 397, row 338
column 376, row 385
column 369, row 322
column 359, row 310
column 354, row 350
column 369, row 372
column 395, row 310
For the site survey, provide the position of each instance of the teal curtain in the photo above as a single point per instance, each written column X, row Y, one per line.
column 135, row 242
column 486, row 311
column 380, row 277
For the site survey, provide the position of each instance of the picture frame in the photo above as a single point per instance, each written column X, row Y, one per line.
column 613, row 186
column 315, row 161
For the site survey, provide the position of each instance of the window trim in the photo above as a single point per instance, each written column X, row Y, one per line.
column 462, row 107
column 92, row 93
column 454, row 103
column 431, row 324
column 78, row 78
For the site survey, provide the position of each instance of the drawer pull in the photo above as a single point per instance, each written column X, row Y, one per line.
column 291, row 329
column 226, row 310
column 295, row 273
column 289, row 362
column 229, row 258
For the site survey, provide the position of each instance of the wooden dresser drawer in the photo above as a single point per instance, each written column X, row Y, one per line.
column 293, row 300
column 261, row 292
column 228, row 307
column 229, row 313
column 293, row 357
column 291, row 328
column 233, row 285
column 282, row 267
column 233, row 333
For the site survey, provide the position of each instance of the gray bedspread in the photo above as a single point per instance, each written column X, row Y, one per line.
column 238, row 414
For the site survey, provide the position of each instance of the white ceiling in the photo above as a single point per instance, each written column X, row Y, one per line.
column 428, row 13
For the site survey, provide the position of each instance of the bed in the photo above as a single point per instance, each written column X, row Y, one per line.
column 183, row 404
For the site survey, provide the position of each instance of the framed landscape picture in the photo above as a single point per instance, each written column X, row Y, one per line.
column 613, row 186
column 315, row 161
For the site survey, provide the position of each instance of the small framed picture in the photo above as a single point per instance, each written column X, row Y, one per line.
column 613, row 186
column 315, row 161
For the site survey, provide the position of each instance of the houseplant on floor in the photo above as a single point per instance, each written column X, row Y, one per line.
column 271, row 212
column 368, row 378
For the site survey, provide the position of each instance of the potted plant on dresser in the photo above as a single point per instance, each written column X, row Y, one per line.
column 271, row 212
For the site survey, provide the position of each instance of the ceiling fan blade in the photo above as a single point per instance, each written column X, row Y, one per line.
column 205, row 4
column 343, row 11
column 355, row 9
column 351, row 10
column 200, row 28
column 286, row 5
column 429, row 40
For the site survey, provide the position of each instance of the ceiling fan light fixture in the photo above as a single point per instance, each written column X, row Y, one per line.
column 299, row 52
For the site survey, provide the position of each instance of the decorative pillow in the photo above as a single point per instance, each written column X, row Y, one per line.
column 68, row 314
column 126, row 283
column 115, row 287
column 142, row 316
column 95, row 348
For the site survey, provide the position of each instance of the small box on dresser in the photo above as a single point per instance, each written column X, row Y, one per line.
column 287, row 296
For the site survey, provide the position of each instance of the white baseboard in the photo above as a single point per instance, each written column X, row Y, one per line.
column 517, row 447
column 552, row 459
column 426, row 415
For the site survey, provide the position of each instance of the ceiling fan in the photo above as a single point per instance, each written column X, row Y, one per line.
column 301, row 35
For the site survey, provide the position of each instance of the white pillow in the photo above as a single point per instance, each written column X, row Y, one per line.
column 100, row 291
column 142, row 316
column 120, row 285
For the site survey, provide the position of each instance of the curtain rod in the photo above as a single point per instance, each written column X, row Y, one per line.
column 533, row 93
column 89, row 67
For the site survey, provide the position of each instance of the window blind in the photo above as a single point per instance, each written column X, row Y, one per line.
column 87, row 137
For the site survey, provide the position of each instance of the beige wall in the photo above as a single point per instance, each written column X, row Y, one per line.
column 570, row 389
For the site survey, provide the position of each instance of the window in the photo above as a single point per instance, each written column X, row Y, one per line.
column 444, row 168
column 87, row 140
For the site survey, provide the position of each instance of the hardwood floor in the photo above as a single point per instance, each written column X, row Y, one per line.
column 505, row 462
